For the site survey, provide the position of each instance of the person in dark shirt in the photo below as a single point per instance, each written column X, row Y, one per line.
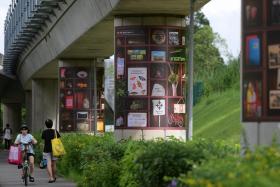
column 47, row 136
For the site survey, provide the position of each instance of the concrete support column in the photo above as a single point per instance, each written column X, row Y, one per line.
column 12, row 115
column 146, row 54
column 256, row 134
column 28, row 106
column 44, row 103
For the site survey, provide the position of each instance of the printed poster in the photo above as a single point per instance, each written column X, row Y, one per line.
column 253, row 50
column 137, row 81
column 137, row 119
column 159, row 107
column 120, row 67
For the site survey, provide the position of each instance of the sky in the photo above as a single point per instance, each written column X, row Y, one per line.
column 224, row 16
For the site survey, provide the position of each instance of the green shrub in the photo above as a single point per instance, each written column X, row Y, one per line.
column 261, row 168
column 101, row 162
column 74, row 145
column 38, row 148
column 155, row 160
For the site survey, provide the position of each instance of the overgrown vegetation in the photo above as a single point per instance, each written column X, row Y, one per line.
column 101, row 161
column 104, row 162
column 261, row 168
column 216, row 74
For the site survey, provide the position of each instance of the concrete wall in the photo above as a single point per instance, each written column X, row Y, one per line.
column 256, row 134
column 28, row 106
column 44, row 102
column 149, row 134
column 12, row 116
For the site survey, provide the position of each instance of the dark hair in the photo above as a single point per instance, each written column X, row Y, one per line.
column 7, row 125
column 49, row 123
column 24, row 127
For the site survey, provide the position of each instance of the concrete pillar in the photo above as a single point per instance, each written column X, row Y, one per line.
column 12, row 115
column 151, row 41
column 28, row 106
column 44, row 103
column 256, row 134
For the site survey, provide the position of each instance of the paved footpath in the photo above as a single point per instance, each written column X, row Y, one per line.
column 10, row 175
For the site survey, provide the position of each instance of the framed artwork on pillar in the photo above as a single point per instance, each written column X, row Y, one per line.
column 142, row 89
column 75, row 94
column 252, row 13
column 137, row 81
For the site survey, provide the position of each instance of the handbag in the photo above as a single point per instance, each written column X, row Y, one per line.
column 14, row 155
column 57, row 146
column 43, row 164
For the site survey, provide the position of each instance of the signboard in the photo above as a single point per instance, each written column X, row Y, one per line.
column 159, row 107
column 137, row 81
column 137, row 119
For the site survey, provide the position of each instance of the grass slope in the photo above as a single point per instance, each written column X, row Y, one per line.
column 218, row 116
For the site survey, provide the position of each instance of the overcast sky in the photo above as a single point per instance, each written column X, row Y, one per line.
column 224, row 16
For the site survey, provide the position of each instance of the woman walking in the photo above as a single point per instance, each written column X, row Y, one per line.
column 47, row 136
column 7, row 136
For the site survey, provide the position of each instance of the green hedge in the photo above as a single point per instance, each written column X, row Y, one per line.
column 101, row 161
column 261, row 169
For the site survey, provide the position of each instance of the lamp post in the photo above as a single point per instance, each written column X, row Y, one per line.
column 189, row 85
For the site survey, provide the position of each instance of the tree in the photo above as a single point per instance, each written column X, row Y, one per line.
column 209, row 66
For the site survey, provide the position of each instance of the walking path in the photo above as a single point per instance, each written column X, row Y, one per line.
column 10, row 175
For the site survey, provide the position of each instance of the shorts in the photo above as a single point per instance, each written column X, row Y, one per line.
column 49, row 156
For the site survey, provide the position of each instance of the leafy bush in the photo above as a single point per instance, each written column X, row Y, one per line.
column 101, row 162
column 261, row 168
column 38, row 148
column 148, row 163
column 74, row 145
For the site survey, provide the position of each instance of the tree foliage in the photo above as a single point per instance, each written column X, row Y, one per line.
column 209, row 65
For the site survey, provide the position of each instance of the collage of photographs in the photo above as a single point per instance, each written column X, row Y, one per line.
column 261, row 67
column 149, row 69
column 77, row 100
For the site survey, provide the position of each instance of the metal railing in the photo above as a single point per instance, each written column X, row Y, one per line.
column 25, row 19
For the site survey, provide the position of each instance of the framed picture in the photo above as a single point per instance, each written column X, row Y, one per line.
column 81, row 83
column 177, row 55
column 82, row 115
column 173, row 38
column 158, row 107
column 274, row 99
column 66, row 115
column 253, row 56
column 158, row 90
column 120, row 67
column 158, row 56
column 82, row 74
column 69, row 102
column 136, row 54
column 137, row 119
column 253, row 12
column 137, row 81
column 275, row 11
column 274, row 56
column 135, row 40
column 82, row 100
column 158, row 37
column 252, row 98
column 278, row 79
column 62, row 73
column 83, row 126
